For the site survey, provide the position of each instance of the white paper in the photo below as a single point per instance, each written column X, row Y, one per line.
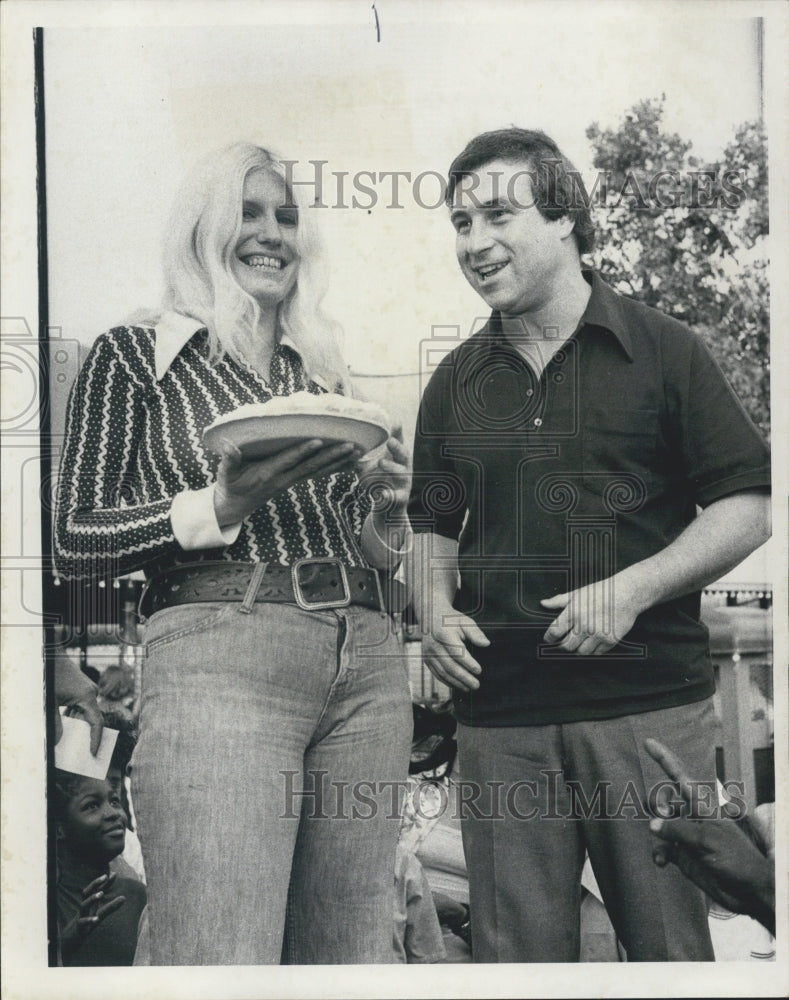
column 72, row 751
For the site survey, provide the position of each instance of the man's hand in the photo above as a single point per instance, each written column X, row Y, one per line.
column 445, row 652
column 78, row 693
column 594, row 618
column 92, row 910
column 714, row 853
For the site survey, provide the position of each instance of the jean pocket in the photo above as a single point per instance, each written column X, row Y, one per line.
column 170, row 624
column 619, row 446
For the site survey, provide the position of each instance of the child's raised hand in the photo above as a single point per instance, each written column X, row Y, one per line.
column 92, row 910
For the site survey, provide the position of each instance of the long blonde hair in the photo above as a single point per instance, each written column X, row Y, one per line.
column 198, row 246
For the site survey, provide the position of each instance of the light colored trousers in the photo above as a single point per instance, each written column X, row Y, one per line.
column 527, row 835
column 241, row 714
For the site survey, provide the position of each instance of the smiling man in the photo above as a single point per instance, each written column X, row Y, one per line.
column 581, row 470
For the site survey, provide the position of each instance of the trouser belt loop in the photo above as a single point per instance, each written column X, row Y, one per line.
column 141, row 615
column 379, row 591
column 254, row 586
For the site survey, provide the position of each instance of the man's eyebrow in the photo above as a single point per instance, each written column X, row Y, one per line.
column 491, row 203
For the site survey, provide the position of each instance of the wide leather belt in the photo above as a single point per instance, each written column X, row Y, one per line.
column 312, row 584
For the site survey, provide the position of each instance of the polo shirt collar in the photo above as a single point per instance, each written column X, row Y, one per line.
column 604, row 309
column 174, row 331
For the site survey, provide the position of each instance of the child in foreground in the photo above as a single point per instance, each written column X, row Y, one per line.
column 98, row 911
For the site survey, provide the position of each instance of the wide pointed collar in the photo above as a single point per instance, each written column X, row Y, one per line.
column 174, row 331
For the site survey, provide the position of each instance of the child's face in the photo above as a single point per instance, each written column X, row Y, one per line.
column 94, row 821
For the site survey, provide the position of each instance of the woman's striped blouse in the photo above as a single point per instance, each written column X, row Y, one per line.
column 134, row 442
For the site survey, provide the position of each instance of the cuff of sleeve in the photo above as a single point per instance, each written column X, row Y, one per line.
column 194, row 521
column 753, row 479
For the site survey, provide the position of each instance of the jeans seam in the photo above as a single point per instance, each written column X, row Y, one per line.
column 188, row 629
column 342, row 636
column 290, row 933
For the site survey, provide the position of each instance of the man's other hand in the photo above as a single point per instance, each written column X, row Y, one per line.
column 592, row 619
column 445, row 649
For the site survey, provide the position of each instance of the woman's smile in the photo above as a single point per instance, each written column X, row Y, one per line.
column 266, row 260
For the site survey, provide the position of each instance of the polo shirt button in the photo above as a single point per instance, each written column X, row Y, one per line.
column 537, row 422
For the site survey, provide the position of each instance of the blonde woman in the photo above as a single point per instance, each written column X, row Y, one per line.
column 274, row 718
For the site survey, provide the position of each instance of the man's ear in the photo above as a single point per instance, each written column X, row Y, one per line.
column 566, row 224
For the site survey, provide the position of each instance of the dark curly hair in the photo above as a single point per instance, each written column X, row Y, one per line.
column 558, row 188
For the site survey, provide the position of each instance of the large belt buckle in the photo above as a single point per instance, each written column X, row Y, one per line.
column 298, row 593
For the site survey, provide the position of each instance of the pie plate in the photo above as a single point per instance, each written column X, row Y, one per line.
column 260, row 435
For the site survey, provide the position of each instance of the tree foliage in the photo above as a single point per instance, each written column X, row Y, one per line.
column 689, row 238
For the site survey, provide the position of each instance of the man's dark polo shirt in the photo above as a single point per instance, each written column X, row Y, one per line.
column 555, row 482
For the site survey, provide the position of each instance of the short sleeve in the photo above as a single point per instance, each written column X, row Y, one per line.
column 722, row 450
column 438, row 502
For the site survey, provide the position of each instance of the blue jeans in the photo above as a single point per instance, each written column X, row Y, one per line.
column 534, row 815
column 259, row 782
